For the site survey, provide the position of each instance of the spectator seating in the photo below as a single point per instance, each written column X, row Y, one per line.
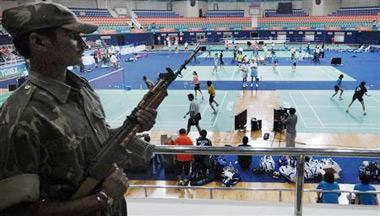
column 356, row 11
column 318, row 22
column 155, row 13
column 195, row 22
column 90, row 12
column 122, row 25
column 225, row 13
column 212, row 23
column 295, row 13
column 119, row 25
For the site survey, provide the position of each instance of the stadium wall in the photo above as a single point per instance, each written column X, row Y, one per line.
column 324, row 8
column 360, row 3
column 7, row 4
column 78, row 3
column 138, row 5
column 183, row 8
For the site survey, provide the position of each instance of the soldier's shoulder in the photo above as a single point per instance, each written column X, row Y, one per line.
column 86, row 82
column 20, row 94
column 17, row 102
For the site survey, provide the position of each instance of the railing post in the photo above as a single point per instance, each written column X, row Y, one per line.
column 299, row 184
column 211, row 195
column 349, row 198
column 146, row 192
column 126, row 207
column 280, row 196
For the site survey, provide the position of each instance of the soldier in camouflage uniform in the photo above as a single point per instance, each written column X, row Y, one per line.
column 54, row 124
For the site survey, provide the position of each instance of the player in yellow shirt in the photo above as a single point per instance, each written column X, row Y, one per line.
column 211, row 91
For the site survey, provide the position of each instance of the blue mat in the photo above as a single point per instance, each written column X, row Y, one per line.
column 361, row 66
column 348, row 175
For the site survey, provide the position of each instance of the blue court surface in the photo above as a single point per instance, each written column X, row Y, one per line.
column 348, row 175
column 356, row 67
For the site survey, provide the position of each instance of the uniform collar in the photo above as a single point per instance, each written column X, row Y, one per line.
column 58, row 89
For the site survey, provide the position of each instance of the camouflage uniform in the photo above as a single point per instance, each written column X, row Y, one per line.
column 52, row 129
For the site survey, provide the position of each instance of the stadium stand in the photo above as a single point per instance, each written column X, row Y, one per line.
column 181, row 23
column 225, row 13
column 356, row 11
column 122, row 25
column 118, row 25
column 91, row 12
column 194, row 22
column 318, row 22
column 155, row 13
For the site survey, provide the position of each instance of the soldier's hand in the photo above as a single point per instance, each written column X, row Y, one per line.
column 116, row 184
column 146, row 118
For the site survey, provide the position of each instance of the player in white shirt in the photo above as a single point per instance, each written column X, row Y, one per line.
column 215, row 69
column 244, row 68
column 176, row 44
column 114, row 62
column 254, row 73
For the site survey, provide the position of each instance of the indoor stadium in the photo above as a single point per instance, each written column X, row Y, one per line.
column 190, row 107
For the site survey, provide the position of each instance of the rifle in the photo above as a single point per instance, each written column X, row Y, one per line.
column 120, row 142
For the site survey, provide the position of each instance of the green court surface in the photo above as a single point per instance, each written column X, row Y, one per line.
column 3, row 96
column 317, row 113
column 266, row 73
column 249, row 54
column 171, row 111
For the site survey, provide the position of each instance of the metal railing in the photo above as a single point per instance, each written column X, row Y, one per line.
column 299, row 153
column 12, row 62
column 279, row 190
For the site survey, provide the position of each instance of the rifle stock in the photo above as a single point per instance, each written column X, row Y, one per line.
column 120, row 142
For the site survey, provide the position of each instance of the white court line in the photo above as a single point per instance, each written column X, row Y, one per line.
column 329, row 72
column 233, row 74
column 333, row 126
column 177, row 105
column 354, row 124
column 221, row 105
column 105, row 75
column 123, row 115
column 277, row 71
column 204, row 109
column 312, row 109
column 329, row 106
column 373, row 98
column 176, row 125
column 295, row 105
column 343, row 127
